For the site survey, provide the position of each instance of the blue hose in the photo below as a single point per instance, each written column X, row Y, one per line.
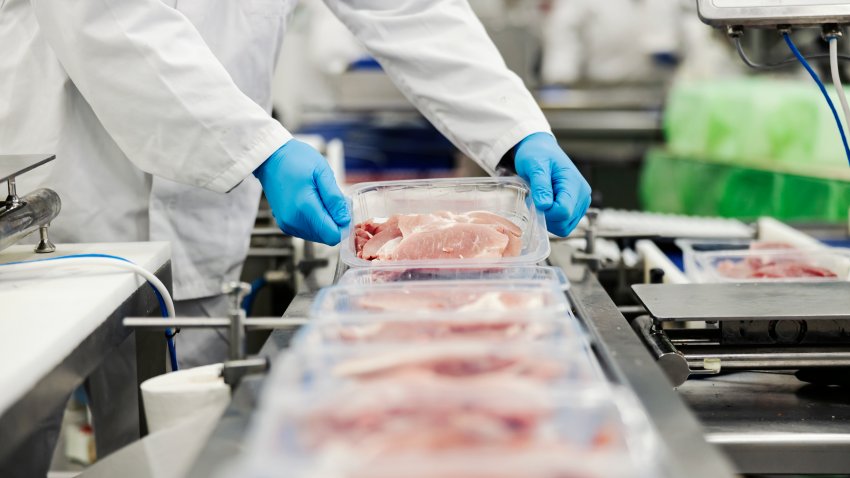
column 248, row 301
column 169, row 333
column 822, row 87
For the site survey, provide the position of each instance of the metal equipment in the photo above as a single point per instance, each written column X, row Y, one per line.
column 238, row 365
column 21, row 216
column 773, row 13
column 750, row 326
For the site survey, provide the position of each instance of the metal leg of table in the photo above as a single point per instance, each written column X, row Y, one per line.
column 112, row 390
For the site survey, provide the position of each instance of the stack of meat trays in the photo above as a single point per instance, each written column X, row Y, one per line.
column 446, row 352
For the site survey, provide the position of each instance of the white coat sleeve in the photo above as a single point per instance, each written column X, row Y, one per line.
column 440, row 57
column 159, row 91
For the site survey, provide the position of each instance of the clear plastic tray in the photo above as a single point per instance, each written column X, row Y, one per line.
column 370, row 331
column 599, row 431
column 565, row 362
column 506, row 197
column 383, row 274
column 773, row 265
column 441, row 299
column 691, row 248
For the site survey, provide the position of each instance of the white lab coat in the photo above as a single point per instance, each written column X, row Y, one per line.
column 608, row 41
column 155, row 109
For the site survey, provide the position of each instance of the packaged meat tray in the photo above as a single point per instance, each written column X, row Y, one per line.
column 441, row 299
column 383, row 274
column 413, row 331
column 774, row 265
column 444, row 222
column 694, row 247
column 552, row 363
column 362, row 430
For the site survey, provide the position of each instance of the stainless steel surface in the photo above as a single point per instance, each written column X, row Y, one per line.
column 674, row 364
column 234, row 371
column 45, row 245
column 768, row 358
column 236, row 331
column 253, row 323
column 748, row 301
column 51, row 392
column 766, row 13
column 627, row 361
column 773, row 423
column 15, row 165
column 35, row 210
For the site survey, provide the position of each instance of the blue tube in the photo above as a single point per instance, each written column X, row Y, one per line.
column 169, row 333
column 822, row 87
column 248, row 301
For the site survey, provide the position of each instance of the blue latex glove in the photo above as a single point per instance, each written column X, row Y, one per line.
column 557, row 188
column 303, row 194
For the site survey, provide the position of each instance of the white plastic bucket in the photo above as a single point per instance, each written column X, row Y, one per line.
column 175, row 397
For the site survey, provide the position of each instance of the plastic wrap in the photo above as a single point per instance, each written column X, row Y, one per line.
column 773, row 265
column 384, row 274
column 508, row 198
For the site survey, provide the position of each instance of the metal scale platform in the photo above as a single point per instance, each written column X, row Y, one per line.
column 761, row 373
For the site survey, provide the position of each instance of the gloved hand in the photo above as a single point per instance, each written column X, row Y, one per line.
column 557, row 188
column 303, row 194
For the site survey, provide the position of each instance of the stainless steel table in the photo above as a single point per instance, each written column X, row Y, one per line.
column 139, row 355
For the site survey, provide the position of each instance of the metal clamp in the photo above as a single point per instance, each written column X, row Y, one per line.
column 237, row 366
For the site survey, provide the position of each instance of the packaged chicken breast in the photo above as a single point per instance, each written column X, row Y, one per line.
column 566, row 363
column 444, row 427
column 443, row 299
column 382, row 274
column 422, row 223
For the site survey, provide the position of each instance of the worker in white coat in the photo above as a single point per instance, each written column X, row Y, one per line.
column 158, row 111
column 611, row 41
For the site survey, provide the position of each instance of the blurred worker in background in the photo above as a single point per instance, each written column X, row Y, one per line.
column 629, row 41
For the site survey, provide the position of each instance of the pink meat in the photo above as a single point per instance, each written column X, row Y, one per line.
column 769, row 269
column 441, row 330
column 385, row 234
column 484, row 217
column 457, row 241
column 441, row 235
column 448, row 365
column 416, row 413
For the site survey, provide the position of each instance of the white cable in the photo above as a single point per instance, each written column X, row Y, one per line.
column 96, row 261
column 836, row 80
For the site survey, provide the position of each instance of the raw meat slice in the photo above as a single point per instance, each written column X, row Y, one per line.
column 780, row 269
column 457, row 362
column 384, row 234
column 416, row 413
column 441, row 330
column 407, row 300
column 361, row 238
column 457, row 241
column 484, row 217
column 440, row 235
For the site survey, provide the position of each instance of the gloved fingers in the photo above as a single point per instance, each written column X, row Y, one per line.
column 579, row 214
column 539, row 176
column 331, row 195
column 313, row 221
column 572, row 198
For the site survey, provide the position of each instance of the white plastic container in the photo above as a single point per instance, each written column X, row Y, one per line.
column 443, row 299
column 384, row 274
column 175, row 397
column 772, row 265
column 506, row 197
